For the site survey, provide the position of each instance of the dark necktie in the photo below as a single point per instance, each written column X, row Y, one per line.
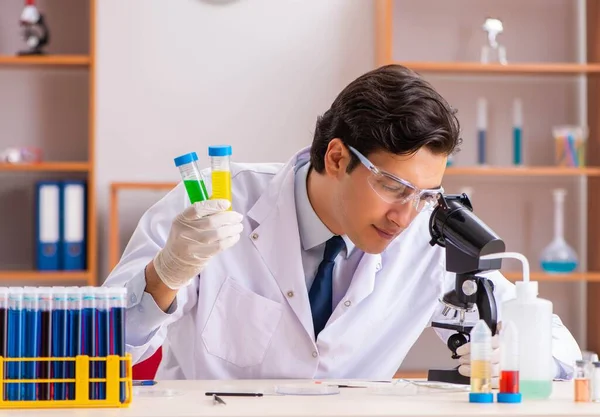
column 321, row 291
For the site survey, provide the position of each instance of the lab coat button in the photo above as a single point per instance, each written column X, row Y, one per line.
column 133, row 298
column 290, row 294
column 348, row 303
column 254, row 236
column 315, row 354
column 378, row 266
column 140, row 309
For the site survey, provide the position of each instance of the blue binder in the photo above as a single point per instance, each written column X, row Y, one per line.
column 48, row 225
column 73, row 231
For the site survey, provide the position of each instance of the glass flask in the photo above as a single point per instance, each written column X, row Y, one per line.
column 558, row 257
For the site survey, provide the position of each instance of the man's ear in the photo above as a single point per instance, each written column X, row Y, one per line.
column 336, row 159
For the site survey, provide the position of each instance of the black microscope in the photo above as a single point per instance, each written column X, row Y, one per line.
column 466, row 239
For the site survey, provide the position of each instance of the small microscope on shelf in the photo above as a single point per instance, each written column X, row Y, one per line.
column 34, row 29
column 466, row 238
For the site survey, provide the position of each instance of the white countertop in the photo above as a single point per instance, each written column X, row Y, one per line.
column 187, row 398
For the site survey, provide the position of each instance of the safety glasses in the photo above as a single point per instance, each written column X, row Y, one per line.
column 395, row 190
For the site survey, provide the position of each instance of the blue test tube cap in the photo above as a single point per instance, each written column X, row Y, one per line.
column 219, row 150
column 186, row 159
column 481, row 397
column 508, row 397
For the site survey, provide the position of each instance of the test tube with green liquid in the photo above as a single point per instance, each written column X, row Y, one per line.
column 192, row 177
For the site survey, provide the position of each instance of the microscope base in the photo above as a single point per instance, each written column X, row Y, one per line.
column 451, row 376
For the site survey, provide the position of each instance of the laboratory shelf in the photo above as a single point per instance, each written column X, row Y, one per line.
column 542, row 276
column 51, row 60
column 47, row 166
column 516, row 69
column 116, row 186
column 524, row 171
column 53, row 276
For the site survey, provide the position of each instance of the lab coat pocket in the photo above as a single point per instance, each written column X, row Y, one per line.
column 240, row 325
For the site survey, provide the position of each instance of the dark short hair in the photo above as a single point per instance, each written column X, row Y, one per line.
column 390, row 108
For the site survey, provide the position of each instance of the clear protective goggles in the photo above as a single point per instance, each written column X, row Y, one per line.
column 395, row 190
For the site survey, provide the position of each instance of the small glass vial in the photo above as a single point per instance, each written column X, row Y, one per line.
column 220, row 159
column 595, row 381
column 509, row 364
column 481, row 364
column 582, row 381
column 192, row 177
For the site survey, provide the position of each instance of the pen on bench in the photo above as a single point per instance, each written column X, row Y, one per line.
column 143, row 383
column 235, row 394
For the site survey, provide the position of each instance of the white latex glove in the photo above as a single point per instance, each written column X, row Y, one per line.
column 465, row 360
column 197, row 234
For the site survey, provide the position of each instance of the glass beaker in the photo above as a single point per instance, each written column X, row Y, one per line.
column 558, row 257
column 569, row 145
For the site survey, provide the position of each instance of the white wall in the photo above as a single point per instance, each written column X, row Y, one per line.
column 177, row 76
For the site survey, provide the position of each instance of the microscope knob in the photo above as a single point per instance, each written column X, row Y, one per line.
column 455, row 341
column 469, row 287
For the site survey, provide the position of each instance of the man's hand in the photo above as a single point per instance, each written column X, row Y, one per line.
column 197, row 234
column 465, row 359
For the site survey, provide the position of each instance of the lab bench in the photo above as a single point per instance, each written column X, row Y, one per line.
column 187, row 398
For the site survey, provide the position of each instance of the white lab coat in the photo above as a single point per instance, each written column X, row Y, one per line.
column 248, row 315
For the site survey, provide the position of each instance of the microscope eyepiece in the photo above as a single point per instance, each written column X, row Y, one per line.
column 453, row 225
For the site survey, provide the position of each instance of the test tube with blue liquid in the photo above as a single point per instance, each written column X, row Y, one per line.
column 481, row 131
column 103, row 336
column 74, row 334
column 44, row 367
column 15, row 342
column 517, row 132
column 59, row 340
column 89, row 331
column 3, row 327
column 32, row 341
column 118, row 304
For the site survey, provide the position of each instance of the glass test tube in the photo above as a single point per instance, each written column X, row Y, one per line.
column 74, row 334
column 192, row 177
column 220, row 157
column 15, row 340
column 59, row 340
column 32, row 341
column 595, row 381
column 509, row 364
column 118, row 304
column 481, row 364
column 582, row 381
column 103, row 336
column 89, row 334
column 44, row 367
column 3, row 327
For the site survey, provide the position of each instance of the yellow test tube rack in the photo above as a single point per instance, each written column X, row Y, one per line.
column 82, row 381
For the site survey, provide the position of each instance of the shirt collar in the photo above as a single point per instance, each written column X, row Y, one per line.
column 313, row 231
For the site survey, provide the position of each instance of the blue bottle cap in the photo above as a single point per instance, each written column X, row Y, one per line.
column 219, row 150
column 481, row 397
column 507, row 397
column 186, row 159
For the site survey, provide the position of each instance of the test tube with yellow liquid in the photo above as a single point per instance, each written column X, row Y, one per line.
column 481, row 364
column 220, row 158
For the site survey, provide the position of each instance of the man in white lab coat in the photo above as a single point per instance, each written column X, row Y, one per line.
column 323, row 268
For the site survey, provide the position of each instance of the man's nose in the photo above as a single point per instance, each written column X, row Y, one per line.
column 402, row 214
